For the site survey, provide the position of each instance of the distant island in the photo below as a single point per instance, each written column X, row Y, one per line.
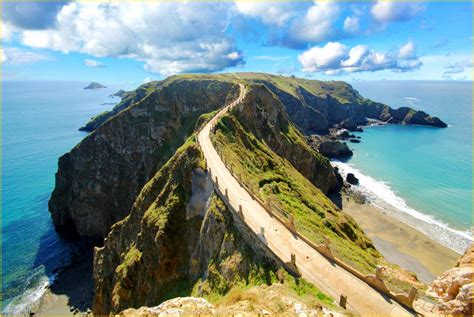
column 95, row 85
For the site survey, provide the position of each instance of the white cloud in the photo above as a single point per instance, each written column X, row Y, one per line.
column 93, row 63
column 386, row 11
column 270, row 13
column 407, row 51
column 13, row 55
column 168, row 37
column 351, row 24
column 335, row 58
column 147, row 80
column 458, row 67
column 315, row 26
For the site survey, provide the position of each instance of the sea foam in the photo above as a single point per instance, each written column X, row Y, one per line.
column 380, row 194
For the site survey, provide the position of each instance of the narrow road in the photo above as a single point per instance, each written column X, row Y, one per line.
column 327, row 276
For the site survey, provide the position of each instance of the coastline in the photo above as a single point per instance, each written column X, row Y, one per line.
column 400, row 243
column 71, row 292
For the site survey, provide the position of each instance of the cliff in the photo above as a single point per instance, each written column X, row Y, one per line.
column 178, row 240
column 313, row 105
column 99, row 179
column 455, row 288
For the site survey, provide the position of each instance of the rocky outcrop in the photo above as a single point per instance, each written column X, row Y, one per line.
column 170, row 245
column 263, row 114
column 98, row 180
column 455, row 288
column 351, row 179
column 95, row 85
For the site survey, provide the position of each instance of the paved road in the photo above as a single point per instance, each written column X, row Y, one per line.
column 328, row 277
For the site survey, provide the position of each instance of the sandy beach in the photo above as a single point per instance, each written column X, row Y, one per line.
column 72, row 291
column 401, row 244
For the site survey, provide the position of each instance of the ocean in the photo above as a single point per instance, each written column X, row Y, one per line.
column 40, row 123
column 422, row 175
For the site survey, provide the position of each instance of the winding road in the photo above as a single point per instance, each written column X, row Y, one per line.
column 315, row 268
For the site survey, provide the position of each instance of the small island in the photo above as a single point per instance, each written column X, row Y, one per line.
column 95, row 85
column 119, row 93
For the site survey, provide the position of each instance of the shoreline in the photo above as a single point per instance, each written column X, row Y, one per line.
column 71, row 292
column 400, row 243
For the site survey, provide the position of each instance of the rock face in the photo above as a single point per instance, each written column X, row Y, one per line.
column 171, row 246
column 266, row 117
column 455, row 288
column 98, row 180
column 95, row 85
column 316, row 106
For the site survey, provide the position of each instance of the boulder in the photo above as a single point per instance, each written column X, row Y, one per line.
column 334, row 149
column 351, row 179
column 455, row 288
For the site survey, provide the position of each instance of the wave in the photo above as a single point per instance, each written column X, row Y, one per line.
column 30, row 299
column 380, row 194
column 412, row 101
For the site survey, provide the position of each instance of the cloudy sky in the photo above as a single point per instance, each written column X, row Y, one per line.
column 121, row 41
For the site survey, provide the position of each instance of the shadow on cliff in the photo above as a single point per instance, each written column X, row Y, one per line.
column 69, row 263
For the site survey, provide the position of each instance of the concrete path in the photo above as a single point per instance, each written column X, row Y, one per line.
column 330, row 278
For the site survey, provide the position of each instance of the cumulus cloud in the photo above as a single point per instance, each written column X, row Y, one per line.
column 458, row 67
column 269, row 13
column 316, row 25
column 169, row 38
column 16, row 56
column 336, row 58
column 93, row 63
column 387, row 11
column 31, row 15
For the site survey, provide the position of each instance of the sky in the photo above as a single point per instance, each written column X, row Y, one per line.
column 120, row 42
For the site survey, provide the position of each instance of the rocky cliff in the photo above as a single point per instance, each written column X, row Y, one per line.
column 315, row 106
column 98, row 180
column 263, row 114
column 455, row 288
column 179, row 239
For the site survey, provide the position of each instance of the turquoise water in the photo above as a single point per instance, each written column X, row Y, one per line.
column 426, row 170
column 421, row 171
column 40, row 123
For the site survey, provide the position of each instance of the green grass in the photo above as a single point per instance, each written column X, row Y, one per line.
column 274, row 179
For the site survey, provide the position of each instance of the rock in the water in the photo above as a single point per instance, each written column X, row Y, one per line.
column 354, row 140
column 95, row 85
column 455, row 288
column 334, row 149
column 351, row 179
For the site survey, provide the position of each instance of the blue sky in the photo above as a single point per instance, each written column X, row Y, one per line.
column 132, row 42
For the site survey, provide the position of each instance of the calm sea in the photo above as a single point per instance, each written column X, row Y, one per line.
column 424, row 174
column 40, row 123
column 421, row 175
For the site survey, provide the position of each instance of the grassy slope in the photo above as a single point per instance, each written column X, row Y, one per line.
column 274, row 179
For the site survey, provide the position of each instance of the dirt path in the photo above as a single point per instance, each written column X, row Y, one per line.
column 330, row 278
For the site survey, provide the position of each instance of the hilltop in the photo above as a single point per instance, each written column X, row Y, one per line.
column 137, row 189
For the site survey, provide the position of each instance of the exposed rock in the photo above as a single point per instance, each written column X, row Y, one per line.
column 188, row 306
column 334, row 149
column 265, row 116
column 95, row 85
column 120, row 93
column 351, row 179
column 455, row 288
column 98, row 180
column 354, row 140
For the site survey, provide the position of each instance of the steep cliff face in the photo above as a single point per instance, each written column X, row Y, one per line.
column 264, row 115
column 315, row 106
column 99, row 179
column 178, row 239
column 455, row 288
